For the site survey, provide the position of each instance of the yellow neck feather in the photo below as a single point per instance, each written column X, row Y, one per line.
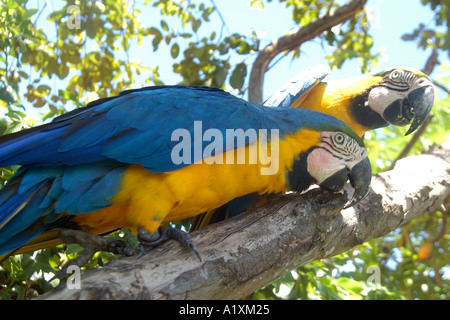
column 334, row 98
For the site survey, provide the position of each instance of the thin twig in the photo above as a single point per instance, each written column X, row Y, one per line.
column 431, row 63
column 410, row 145
column 445, row 213
column 441, row 86
column 224, row 24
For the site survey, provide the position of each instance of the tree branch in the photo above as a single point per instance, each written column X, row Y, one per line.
column 294, row 40
column 431, row 63
column 251, row 250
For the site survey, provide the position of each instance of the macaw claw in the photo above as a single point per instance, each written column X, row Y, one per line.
column 91, row 244
column 149, row 241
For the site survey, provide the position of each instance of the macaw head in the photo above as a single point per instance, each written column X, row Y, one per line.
column 339, row 157
column 402, row 96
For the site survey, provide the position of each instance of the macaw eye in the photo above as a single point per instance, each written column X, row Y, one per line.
column 339, row 138
column 395, row 74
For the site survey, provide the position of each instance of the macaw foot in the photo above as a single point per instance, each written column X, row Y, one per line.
column 91, row 244
column 149, row 241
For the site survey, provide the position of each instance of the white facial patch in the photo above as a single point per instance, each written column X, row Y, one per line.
column 381, row 97
column 321, row 165
column 336, row 152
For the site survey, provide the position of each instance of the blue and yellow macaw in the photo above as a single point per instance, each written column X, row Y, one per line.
column 160, row 154
column 397, row 96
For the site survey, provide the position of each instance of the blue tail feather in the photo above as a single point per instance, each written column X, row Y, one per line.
column 12, row 225
column 37, row 196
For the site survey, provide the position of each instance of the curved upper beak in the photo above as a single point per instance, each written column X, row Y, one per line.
column 421, row 101
column 360, row 176
column 414, row 109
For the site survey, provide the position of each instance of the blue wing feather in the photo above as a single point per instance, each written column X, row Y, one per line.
column 136, row 128
column 297, row 87
column 28, row 215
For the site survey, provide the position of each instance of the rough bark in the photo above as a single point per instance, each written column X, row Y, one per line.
column 247, row 252
column 294, row 40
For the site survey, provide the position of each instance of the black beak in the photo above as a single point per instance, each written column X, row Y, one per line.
column 360, row 177
column 415, row 109
column 421, row 101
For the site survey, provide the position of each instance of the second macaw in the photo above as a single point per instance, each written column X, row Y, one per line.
column 161, row 154
column 396, row 96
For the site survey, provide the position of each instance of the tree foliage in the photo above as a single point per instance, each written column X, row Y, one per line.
column 87, row 53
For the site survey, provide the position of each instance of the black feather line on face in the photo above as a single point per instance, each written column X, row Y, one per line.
column 363, row 114
column 329, row 150
column 299, row 178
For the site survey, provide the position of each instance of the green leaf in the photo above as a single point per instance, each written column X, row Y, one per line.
column 125, row 42
column 3, row 104
column 29, row 13
column 175, row 50
column 185, row 35
column 350, row 284
column 257, row 3
column 196, row 25
column 155, row 42
column 164, row 25
column 56, row 16
column 73, row 248
column 220, row 76
column 199, row 52
column 238, row 75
